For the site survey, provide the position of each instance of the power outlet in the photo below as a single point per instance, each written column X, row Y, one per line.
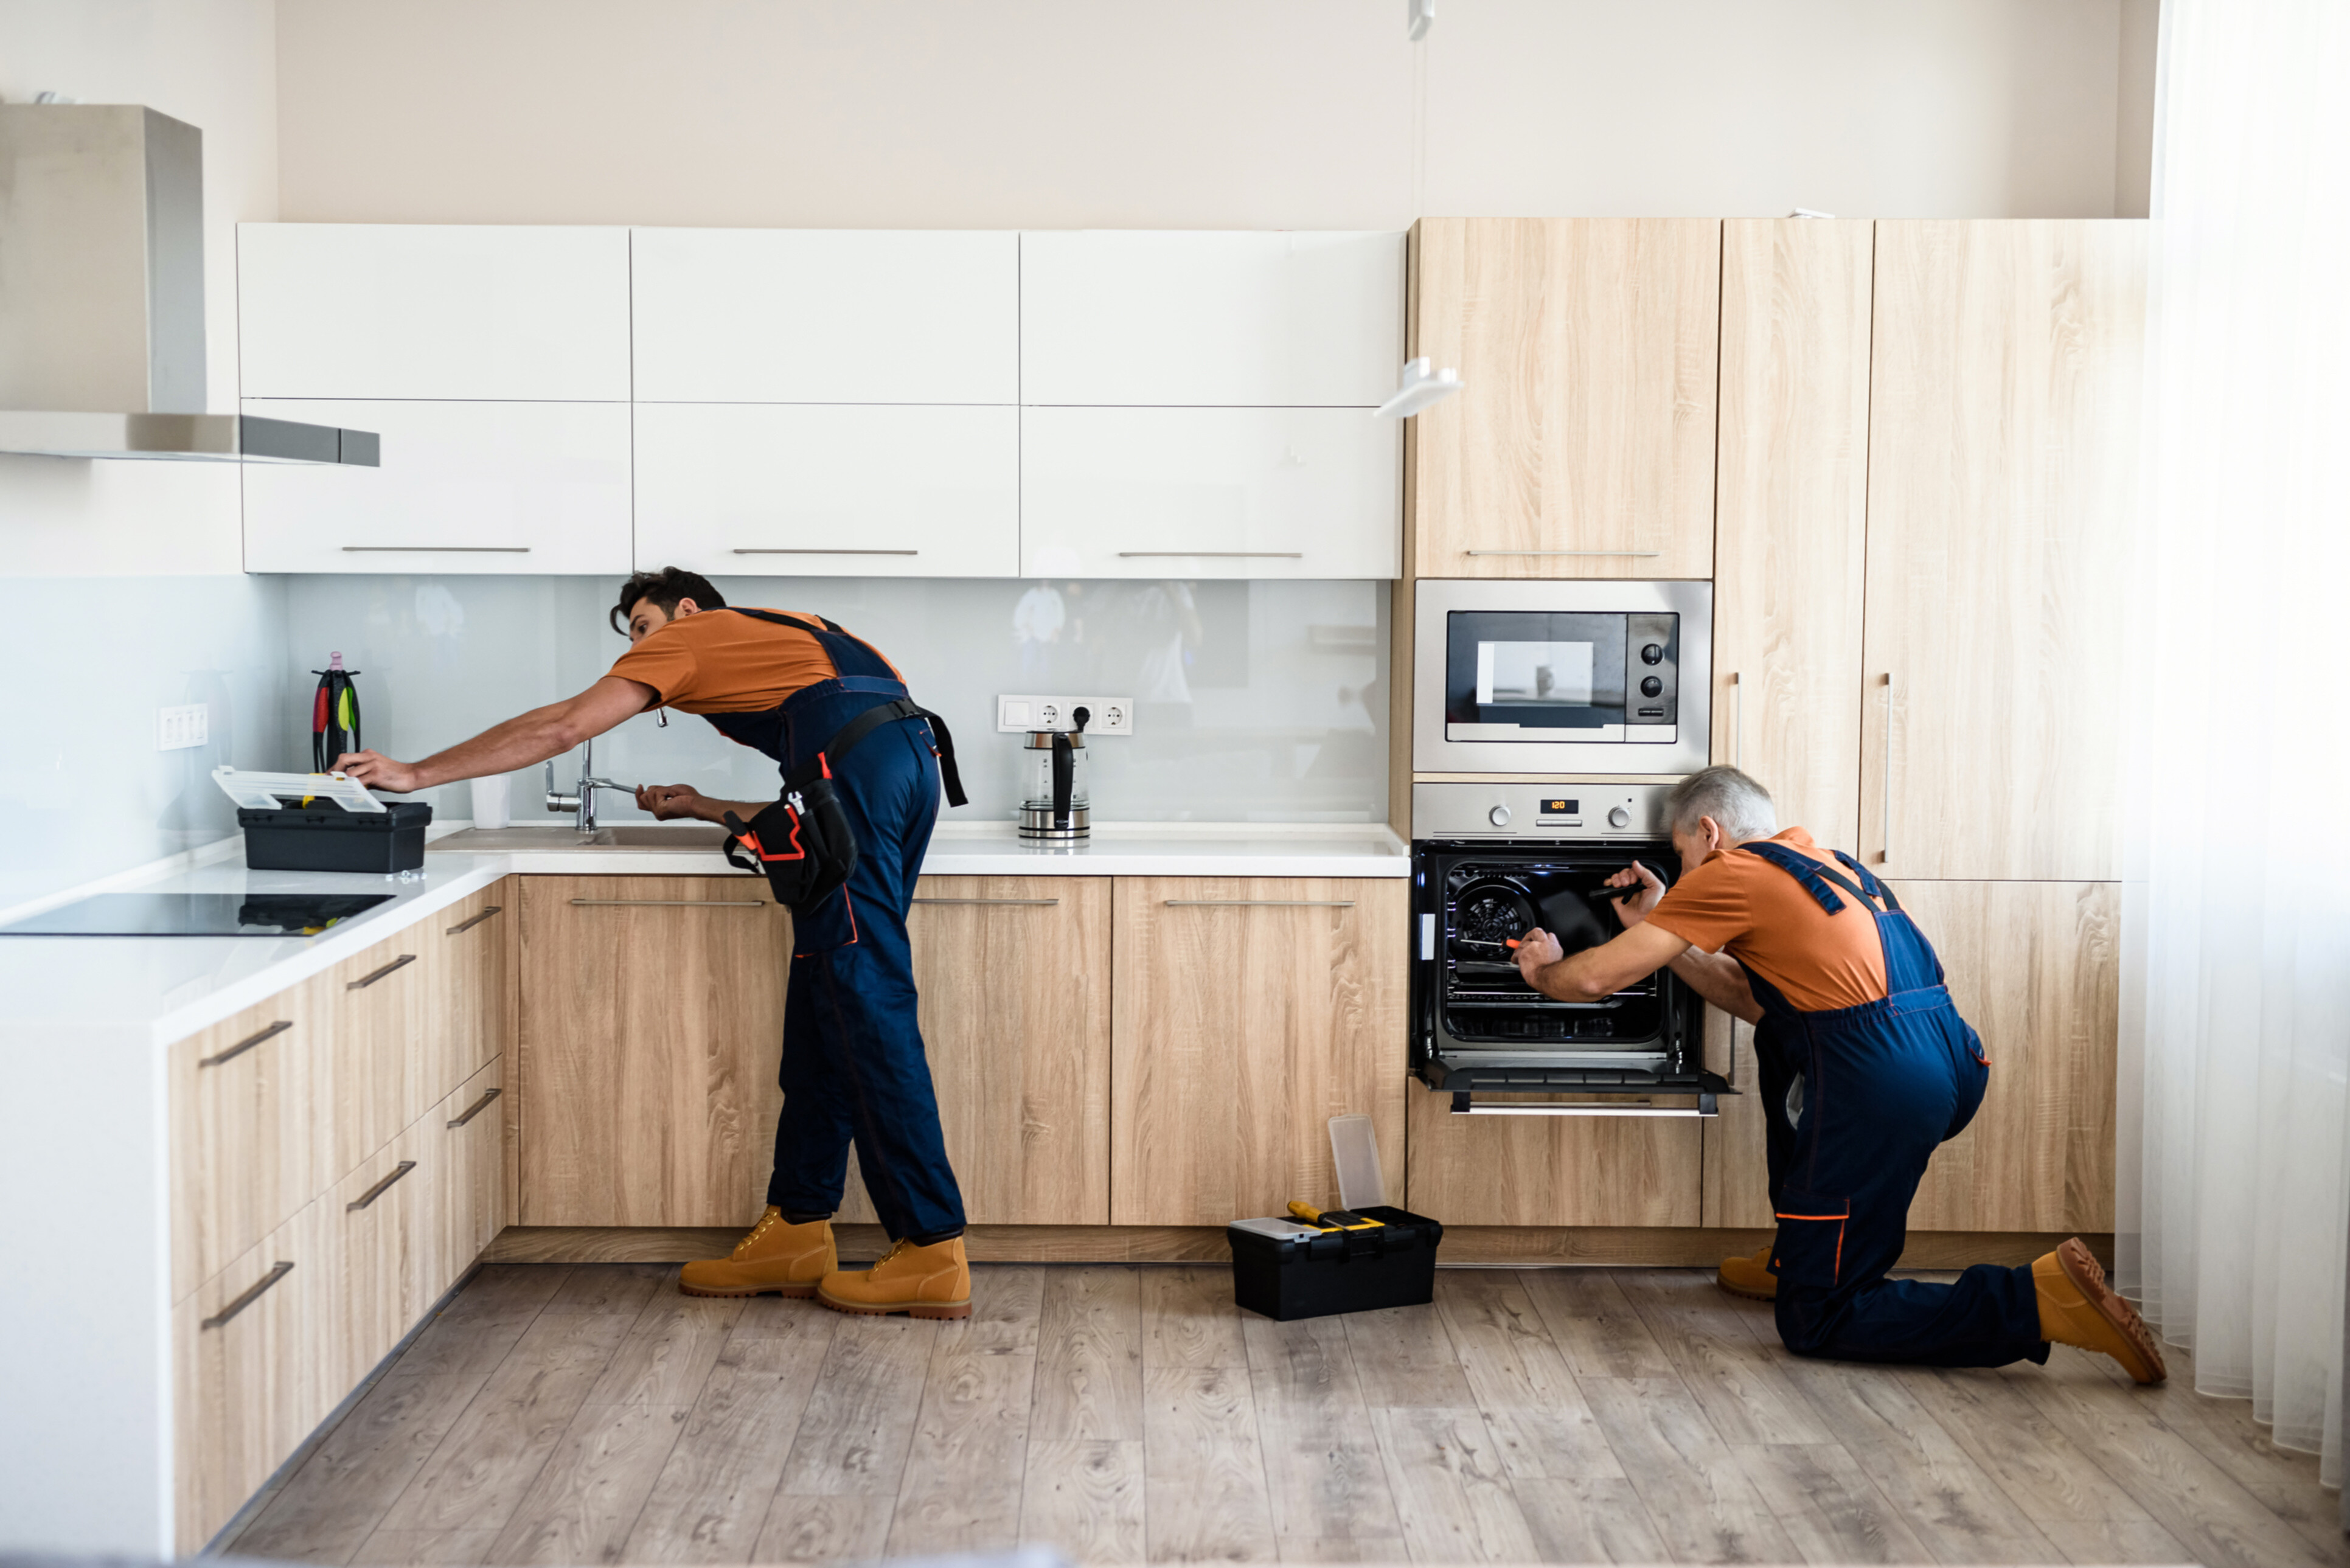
column 177, row 729
column 1106, row 715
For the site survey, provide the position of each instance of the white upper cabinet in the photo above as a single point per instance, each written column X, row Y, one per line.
column 1209, row 493
column 1211, row 319
column 397, row 310
column 816, row 315
column 867, row 490
column 465, row 487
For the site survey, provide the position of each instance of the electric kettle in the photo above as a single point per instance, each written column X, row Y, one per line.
column 1055, row 807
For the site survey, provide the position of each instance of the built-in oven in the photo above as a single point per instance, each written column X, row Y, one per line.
column 1561, row 677
column 1493, row 860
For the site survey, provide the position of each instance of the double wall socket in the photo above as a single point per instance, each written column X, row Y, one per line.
column 1105, row 715
column 176, row 728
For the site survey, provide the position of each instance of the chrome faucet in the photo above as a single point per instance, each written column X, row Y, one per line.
column 583, row 801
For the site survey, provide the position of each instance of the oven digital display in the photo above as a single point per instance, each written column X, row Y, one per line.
column 1543, row 676
column 1562, row 808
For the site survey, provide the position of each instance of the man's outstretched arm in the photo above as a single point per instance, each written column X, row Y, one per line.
column 527, row 738
column 1596, row 972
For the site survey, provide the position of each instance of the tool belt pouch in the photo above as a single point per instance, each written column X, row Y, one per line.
column 802, row 844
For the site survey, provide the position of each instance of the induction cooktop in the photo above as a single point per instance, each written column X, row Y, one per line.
column 196, row 915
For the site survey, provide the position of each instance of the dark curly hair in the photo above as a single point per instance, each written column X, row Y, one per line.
column 665, row 589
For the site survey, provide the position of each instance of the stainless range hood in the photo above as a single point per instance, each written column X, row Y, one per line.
column 102, row 297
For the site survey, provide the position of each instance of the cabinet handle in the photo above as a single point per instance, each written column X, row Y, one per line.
column 436, row 550
column 671, row 903
column 1580, row 1111
column 252, row 1294
column 1260, row 903
column 379, row 1189
column 247, row 1043
column 1637, row 554
column 1737, row 721
column 827, row 552
column 477, row 1108
column 367, row 980
column 1212, row 554
column 477, row 919
column 1022, row 903
column 1884, row 780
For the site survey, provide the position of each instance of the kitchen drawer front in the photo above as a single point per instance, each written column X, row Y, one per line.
column 250, row 1381
column 247, row 1150
column 384, row 1224
column 471, row 983
column 387, row 1065
column 471, row 1136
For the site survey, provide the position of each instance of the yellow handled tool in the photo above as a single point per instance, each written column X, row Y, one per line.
column 1333, row 1218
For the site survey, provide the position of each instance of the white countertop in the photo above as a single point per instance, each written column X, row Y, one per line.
column 162, row 989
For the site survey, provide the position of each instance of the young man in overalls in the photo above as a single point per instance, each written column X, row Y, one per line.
column 1867, row 1068
column 853, row 1064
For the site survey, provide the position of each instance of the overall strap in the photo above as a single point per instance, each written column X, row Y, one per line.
column 849, row 656
column 1868, row 884
column 1814, row 877
column 845, row 740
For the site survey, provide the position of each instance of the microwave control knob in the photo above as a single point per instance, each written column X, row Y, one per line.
column 1618, row 818
column 1651, row 687
column 1653, row 654
column 1498, row 816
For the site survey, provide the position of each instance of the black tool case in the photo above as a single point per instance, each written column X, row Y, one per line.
column 1393, row 1264
column 325, row 838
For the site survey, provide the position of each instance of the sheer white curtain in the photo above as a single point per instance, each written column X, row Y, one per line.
column 2235, row 1123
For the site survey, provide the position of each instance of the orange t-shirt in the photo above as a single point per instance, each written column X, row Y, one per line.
column 714, row 661
column 1763, row 917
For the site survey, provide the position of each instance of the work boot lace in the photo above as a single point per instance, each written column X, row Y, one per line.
column 765, row 1222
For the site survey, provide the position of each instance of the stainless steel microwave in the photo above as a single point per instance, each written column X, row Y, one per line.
column 1561, row 677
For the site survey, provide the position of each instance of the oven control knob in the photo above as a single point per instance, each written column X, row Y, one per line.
column 1651, row 687
column 1498, row 816
column 1618, row 818
column 1653, row 654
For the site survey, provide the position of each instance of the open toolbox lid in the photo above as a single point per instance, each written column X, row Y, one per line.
column 267, row 792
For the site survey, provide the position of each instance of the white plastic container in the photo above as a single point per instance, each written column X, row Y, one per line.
column 1356, row 1151
column 493, row 802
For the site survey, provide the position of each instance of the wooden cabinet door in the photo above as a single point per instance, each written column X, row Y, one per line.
column 1791, row 537
column 382, row 1009
column 877, row 489
column 471, row 982
column 1552, row 1170
column 1013, row 973
column 248, row 1150
column 469, row 1129
column 383, row 1226
column 1583, row 445
column 1245, row 1014
column 1209, row 493
column 464, row 488
column 2036, row 968
column 652, row 1024
column 432, row 310
column 2002, row 455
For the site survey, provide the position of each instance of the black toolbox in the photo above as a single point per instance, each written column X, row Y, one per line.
column 325, row 838
column 1392, row 1264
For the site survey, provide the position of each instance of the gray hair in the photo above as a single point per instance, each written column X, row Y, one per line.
column 1741, row 805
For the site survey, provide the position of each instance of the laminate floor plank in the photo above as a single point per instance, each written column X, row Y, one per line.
column 669, row 1352
column 1089, row 1357
column 474, row 1331
column 845, row 1528
column 1828, row 1506
column 1404, row 1358
column 1005, row 1315
column 1084, row 1496
column 427, row 1548
column 611, row 1287
column 1591, row 1322
column 590, row 1492
column 2034, row 1463
column 970, row 1453
column 481, row 1469
column 1205, row 1495
column 1322, row 1468
column 714, row 1490
column 1451, row 1490
column 1533, row 1409
column 1745, row 1394
column 1189, row 1319
column 1345, row 1548
column 2116, row 1541
column 859, row 1422
column 1589, row 1521
column 1697, row 1495
column 327, row 1510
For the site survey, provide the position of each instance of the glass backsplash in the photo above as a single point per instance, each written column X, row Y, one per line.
column 1254, row 701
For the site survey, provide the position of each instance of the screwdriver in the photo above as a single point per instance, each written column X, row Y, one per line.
column 1334, row 1219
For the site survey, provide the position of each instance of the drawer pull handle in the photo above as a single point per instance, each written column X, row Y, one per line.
column 252, row 1294
column 1538, row 1110
column 1634, row 554
column 1212, row 554
column 812, row 552
column 1005, row 903
column 1260, row 903
column 247, row 1043
column 477, row 919
column 372, row 976
column 671, row 903
column 436, row 550
column 477, row 1107
column 379, row 1189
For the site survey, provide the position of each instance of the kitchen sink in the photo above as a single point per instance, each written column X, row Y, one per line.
column 697, row 837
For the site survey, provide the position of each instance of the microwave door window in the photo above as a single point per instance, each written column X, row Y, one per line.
column 1534, row 677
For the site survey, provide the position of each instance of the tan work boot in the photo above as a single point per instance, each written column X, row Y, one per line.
column 1750, row 1277
column 921, row 1282
column 778, row 1259
column 2078, row 1308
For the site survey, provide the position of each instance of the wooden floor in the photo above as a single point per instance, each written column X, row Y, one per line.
column 588, row 1414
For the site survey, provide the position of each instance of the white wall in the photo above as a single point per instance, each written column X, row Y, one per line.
column 1191, row 113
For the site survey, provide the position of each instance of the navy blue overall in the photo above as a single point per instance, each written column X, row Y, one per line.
column 853, row 1067
column 1881, row 1086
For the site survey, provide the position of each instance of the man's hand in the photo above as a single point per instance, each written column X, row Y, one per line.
column 377, row 771
column 1536, row 949
column 1630, row 912
column 668, row 802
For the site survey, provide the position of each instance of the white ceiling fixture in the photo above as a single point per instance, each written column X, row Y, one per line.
column 1420, row 388
column 1418, row 17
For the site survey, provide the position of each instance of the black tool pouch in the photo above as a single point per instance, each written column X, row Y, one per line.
column 802, row 844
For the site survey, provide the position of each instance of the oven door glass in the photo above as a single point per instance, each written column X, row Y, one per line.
column 1541, row 676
